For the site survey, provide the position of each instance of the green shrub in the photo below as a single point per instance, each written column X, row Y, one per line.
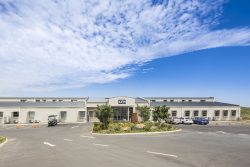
column 144, row 112
column 132, row 126
column 104, row 114
column 97, row 127
column 165, row 126
column 2, row 139
column 117, row 127
column 160, row 113
column 148, row 125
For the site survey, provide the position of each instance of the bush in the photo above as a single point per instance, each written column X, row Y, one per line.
column 165, row 126
column 148, row 125
column 127, row 127
column 144, row 112
column 2, row 139
column 160, row 113
column 104, row 114
column 97, row 127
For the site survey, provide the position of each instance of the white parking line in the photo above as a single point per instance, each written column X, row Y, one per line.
column 74, row 127
column 103, row 145
column 90, row 137
column 47, row 143
column 67, row 139
column 169, row 155
column 220, row 132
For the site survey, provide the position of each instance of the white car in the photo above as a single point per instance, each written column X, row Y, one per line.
column 186, row 121
column 174, row 120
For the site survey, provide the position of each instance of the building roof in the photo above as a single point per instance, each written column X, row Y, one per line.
column 43, row 104
column 179, row 97
column 97, row 100
column 140, row 100
column 191, row 104
column 43, row 97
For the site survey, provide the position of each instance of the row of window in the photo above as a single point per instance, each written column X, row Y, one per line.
column 16, row 113
column 177, row 100
column 217, row 113
column 44, row 100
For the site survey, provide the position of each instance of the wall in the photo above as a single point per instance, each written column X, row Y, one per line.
column 41, row 114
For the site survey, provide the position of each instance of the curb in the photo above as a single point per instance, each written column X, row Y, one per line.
column 2, row 144
column 142, row 133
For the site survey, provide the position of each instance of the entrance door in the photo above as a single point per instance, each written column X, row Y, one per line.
column 120, row 114
column 31, row 117
column 81, row 116
column 90, row 115
column 63, row 116
column 15, row 117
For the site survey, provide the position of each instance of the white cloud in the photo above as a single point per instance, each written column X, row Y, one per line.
column 52, row 44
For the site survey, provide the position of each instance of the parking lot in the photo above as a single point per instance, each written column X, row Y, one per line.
column 74, row 145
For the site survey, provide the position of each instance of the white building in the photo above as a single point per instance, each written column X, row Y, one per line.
column 70, row 110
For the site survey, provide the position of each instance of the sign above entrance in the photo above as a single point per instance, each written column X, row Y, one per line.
column 122, row 101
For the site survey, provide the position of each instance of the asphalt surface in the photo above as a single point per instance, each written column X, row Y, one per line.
column 74, row 146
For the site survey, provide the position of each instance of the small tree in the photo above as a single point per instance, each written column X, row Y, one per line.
column 160, row 113
column 144, row 112
column 104, row 114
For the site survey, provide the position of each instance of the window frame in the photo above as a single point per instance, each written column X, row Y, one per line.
column 233, row 111
column 15, row 112
column 185, row 113
column 202, row 113
column 217, row 114
column 174, row 111
column 225, row 111
column 195, row 112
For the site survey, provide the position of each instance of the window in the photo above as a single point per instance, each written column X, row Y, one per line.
column 54, row 100
column 165, row 100
column 81, row 114
column 44, row 100
column 152, row 100
column 204, row 113
column 171, row 100
column 183, row 100
column 1, row 114
column 60, row 100
column 217, row 113
column 225, row 113
column 22, row 100
column 15, row 114
column 31, row 115
column 190, row 100
column 233, row 113
column 187, row 113
column 196, row 113
column 72, row 100
column 202, row 100
column 37, row 100
column 174, row 113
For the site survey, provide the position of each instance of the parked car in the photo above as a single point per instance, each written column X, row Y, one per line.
column 186, row 120
column 52, row 121
column 200, row 121
column 173, row 120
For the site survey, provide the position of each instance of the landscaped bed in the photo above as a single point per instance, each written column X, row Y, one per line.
column 2, row 139
column 128, row 127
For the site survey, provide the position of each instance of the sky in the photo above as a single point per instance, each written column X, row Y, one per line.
column 132, row 48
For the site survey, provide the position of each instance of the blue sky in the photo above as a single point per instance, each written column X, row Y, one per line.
column 165, row 48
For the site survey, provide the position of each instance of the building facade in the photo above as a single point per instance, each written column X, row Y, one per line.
column 70, row 110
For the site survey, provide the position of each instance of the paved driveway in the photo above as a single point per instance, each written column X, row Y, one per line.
column 74, row 146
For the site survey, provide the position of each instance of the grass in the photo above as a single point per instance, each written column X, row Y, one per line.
column 245, row 113
column 2, row 139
